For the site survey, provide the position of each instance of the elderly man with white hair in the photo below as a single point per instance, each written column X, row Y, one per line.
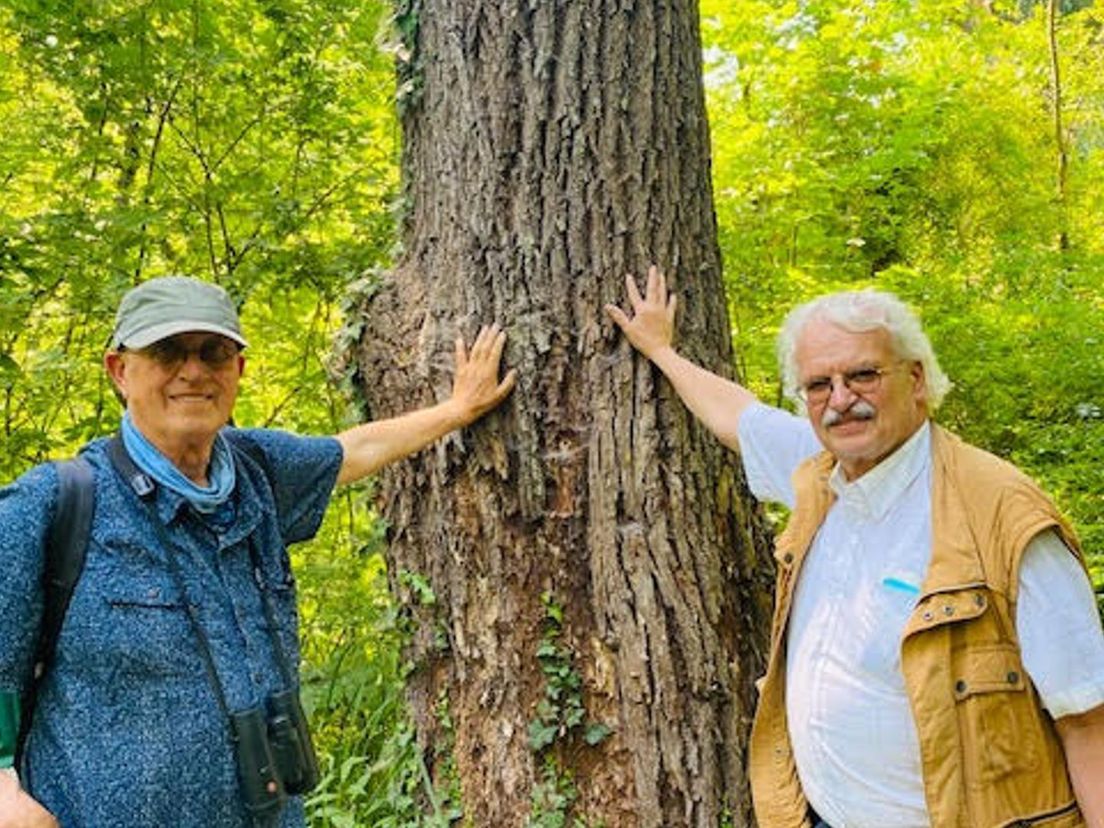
column 936, row 655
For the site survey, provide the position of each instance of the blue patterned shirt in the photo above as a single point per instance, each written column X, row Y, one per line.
column 127, row 731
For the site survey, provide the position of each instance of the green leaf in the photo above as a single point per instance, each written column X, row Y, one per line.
column 541, row 735
column 596, row 733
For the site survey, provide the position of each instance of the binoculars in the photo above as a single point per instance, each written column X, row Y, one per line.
column 274, row 754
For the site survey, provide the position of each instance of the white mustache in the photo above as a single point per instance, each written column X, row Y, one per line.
column 860, row 410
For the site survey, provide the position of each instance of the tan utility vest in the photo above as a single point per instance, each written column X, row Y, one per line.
column 989, row 752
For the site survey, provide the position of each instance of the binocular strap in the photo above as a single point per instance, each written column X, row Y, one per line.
column 145, row 489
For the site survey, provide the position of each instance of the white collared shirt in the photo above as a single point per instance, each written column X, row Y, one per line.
column 851, row 727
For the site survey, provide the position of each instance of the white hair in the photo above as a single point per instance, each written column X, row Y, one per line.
column 859, row 311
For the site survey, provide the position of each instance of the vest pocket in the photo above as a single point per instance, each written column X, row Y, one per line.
column 993, row 708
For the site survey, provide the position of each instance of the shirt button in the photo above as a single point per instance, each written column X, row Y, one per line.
column 788, row 557
column 928, row 616
column 257, row 677
column 948, row 610
column 153, row 593
column 1013, row 677
column 960, row 687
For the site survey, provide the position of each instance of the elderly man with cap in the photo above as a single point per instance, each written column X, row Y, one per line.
column 936, row 656
column 172, row 697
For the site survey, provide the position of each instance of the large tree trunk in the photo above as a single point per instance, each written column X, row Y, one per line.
column 550, row 148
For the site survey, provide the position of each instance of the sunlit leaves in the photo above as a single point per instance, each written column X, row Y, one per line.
column 910, row 146
column 252, row 143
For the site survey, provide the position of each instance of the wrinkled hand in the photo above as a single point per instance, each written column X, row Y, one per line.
column 652, row 326
column 476, row 389
column 18, row 809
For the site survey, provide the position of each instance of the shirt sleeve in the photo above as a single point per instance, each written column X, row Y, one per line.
column 773, row 443
column 303, row 472
column 1059, row 628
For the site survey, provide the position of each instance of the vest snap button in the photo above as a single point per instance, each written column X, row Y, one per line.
column 960, row 686
column 788, row 557
column 948, row 610
column 979, row 599
column 1013, row 677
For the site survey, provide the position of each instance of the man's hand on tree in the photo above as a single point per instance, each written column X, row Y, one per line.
column 652, row 325
column 476, row 388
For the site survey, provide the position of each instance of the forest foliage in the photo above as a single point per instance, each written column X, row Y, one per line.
column 908, row 146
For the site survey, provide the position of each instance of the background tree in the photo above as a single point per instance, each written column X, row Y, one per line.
column 587, row 573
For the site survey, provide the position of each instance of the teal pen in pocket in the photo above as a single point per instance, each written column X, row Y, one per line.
column 903, row 586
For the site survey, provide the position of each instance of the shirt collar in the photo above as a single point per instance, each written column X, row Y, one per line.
column 873, row 494
column 247, row 515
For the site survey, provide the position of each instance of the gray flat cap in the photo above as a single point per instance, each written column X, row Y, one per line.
column 170, row 305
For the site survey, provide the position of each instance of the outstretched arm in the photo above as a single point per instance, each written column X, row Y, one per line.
column 1083, row 741
column 476, row 389
column 714, row 400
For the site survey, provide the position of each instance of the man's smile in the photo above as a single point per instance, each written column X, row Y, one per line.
column 191, row 398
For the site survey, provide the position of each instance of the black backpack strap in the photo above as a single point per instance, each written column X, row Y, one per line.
column 66, row 542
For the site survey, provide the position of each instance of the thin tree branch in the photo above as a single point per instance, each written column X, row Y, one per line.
column 1059, row 133
column 237, row 140
column 151, row 167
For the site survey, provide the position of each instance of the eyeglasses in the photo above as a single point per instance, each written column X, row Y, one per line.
column 214, row 352
column 817, row 390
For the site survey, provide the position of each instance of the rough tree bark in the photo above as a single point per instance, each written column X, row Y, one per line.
column 551, row 147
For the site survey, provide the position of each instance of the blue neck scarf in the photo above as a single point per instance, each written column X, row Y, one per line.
column 220, row 473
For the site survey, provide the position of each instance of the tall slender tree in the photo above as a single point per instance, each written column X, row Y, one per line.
column 588, row 576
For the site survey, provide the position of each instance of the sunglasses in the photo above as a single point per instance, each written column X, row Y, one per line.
column 214, row 352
